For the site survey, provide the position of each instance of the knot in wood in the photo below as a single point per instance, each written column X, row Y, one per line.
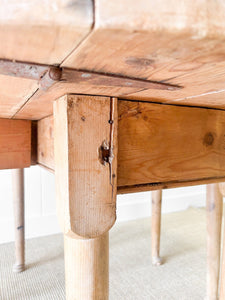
column 208, row 139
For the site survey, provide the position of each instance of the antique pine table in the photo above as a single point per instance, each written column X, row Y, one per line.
column 114, row 97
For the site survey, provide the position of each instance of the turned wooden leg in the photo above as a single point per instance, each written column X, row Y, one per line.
column 86, row 170
column 18, row 204
column 87, row 267
column 156, row 226
column 214, row 218
column 222, row 268
column 222, row 272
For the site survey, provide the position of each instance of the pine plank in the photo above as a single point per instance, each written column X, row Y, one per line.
column 45, row 142
column 13, row 93
column 15, row 144
column 43, row 31
column 163, row 143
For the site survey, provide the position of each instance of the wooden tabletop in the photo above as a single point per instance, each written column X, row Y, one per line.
column 157, row 44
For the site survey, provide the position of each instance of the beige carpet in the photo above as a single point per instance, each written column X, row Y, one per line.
column 132, row 277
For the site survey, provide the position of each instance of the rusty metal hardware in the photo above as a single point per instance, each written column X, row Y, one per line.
column 47, row 75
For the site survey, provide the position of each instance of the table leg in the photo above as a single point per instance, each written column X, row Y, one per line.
column 87, row 267
column 214, row 209
column 156, row 226
column 86, row 170
column 222, row 272
column 18, row 204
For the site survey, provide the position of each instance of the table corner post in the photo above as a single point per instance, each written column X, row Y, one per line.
column 86, row 186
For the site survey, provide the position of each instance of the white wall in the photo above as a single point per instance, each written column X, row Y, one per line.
column 41, row 211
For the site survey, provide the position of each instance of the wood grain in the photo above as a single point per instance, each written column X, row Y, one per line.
column 222, row 270
column 214, row 209
column 15, row 144
column 156, row 226
column 40, row 32
column 41, row 104
column 222, row 188
column 132, row 43
column 160, row 146
column 187, row 44
column 166, row 185
column 34, row 151
column 74, row 81
column 19, row 222
column 200, row 17
column 45, row 142
column 85, row 187
column 43, row 32
column 172, row 58
column 47, row 75
column 87, row 268
column 13, row 93
column 139, row 43
column 166, row 143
